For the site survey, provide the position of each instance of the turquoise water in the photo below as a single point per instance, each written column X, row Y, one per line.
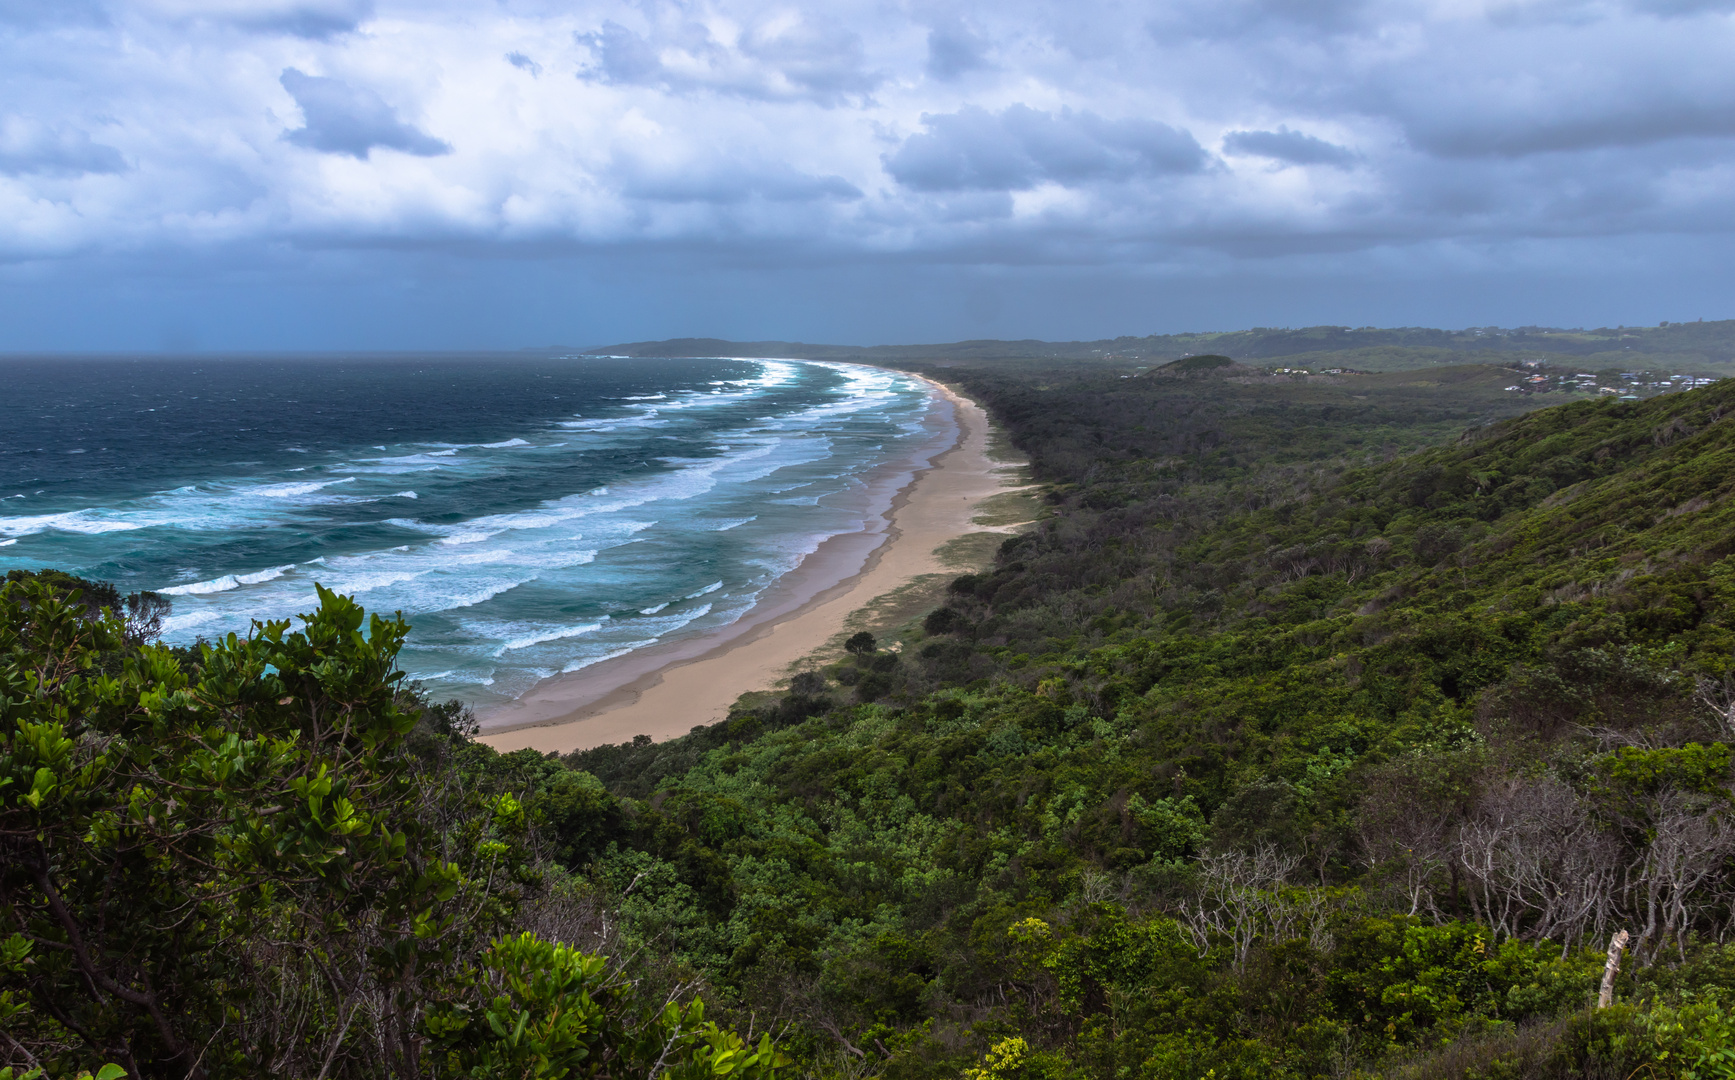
column 529, row 516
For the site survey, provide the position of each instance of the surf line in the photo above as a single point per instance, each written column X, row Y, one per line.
column 916, row 504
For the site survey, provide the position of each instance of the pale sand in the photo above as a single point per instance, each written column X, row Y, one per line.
column 665, row 691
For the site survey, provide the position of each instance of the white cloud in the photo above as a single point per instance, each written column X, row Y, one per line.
column 1018, row 132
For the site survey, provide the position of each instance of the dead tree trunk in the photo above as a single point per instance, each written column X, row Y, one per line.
column 1609, row 970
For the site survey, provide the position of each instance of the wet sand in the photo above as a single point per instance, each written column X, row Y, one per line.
column 666, row 690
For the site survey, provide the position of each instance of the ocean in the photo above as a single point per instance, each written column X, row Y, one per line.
column 528, row 515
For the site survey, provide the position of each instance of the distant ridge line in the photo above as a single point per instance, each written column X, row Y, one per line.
column 1681, row 343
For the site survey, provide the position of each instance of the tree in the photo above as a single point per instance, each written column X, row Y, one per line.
column 860, row 643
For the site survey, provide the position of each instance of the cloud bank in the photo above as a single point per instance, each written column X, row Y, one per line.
column 1182, row 137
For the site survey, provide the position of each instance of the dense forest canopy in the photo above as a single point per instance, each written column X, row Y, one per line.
column 1322, row 727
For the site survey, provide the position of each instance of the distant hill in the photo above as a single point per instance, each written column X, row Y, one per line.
column 1708, row 346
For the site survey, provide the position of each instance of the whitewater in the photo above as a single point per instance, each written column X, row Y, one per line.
column 528, row 516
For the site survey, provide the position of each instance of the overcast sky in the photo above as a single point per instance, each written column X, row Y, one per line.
column 264, row 174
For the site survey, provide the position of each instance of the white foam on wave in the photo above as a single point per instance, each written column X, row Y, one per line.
column 644, row 414
column 8, row 543
column 600, row 425
column 657, row 608
column 706, row 591
column 285, row 491
column 697, row 477
column 397, row 470
column 774, row 372
column 74, row 521
column 365, row 582
column 485, row 592
column 174, row 624
column 621, row 651
column 542, row 637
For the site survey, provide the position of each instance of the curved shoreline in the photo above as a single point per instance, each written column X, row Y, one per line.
column 664, row 691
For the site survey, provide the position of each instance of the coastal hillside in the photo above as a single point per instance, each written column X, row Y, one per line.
column 1322, row 726
column 1273, row 751
column 1674, row 347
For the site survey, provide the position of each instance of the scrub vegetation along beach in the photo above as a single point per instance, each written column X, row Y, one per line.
column 1324, row 725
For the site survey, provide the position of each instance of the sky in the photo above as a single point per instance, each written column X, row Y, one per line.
column 218, row 175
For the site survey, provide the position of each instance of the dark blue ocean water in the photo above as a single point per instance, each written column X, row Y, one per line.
column 529, row 515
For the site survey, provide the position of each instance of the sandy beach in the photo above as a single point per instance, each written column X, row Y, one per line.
column 665, row 691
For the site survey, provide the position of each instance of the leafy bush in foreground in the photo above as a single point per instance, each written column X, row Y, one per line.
column 240, row 870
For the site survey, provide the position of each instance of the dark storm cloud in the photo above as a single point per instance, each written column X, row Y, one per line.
column 1021, row 147
column 1294, row 147
column 353, row 120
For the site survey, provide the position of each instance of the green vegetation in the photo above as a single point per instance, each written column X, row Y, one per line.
column 1275, row 751
column 266, row 858
column 1324, row 727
